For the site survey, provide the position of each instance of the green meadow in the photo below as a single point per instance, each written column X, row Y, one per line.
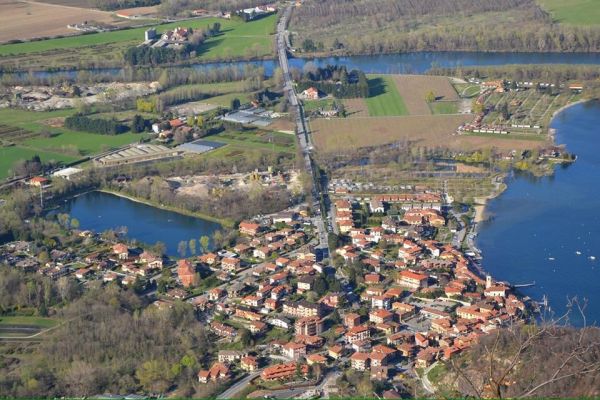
column 384, row 98
column 573, row 12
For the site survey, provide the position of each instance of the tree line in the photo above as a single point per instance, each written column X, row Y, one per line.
column 100, row 126
column 112, row 5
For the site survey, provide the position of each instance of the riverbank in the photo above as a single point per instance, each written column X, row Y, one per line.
column 226, row 222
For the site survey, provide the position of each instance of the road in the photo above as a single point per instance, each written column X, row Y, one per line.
column 425, row 379
column 302, row 133
column 237, row 387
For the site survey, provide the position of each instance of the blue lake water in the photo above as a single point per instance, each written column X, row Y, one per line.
column 535, row 220
column 100, row 211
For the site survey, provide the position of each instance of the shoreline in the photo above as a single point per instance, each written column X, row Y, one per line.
column 221, row 221
column 481, row 202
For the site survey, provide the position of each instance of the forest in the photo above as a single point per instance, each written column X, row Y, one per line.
column 391, row 26
column 108, row 342
column 112, row 5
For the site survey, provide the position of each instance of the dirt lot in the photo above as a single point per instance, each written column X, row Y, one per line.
column 356, row 108
column 30, row 19
column 428, row 131
column 414, row 88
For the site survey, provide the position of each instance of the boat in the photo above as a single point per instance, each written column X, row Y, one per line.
column 578, row 253
column 551, row 258
column 592, row 258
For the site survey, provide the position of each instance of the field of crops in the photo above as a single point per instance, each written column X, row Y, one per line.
column 414, row 90
column 331, row 135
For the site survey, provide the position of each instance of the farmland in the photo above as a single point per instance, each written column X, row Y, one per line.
column 237, row 40
column 27, row 20
column 573, row 12
column 427, row 131
column 60, row 145
column 414, row 89
column 384, row 99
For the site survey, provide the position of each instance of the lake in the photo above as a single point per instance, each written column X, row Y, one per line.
column 414, row 62
column 548, row 230
column 98, row 211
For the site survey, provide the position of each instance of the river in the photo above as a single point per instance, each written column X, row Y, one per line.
column 414, row 62
column 540, row 226
column 100, row 211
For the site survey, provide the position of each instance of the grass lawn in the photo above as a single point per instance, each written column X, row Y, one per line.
column 34, row 321
column 384, row 98
column 64, row 145
column 238, row 38
column 312, row 105
column 573, row 12
column 225, row 99
column 10, row 155
column 444, row 107
column 467, row 89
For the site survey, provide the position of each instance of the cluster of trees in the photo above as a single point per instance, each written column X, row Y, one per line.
column 392, row 26
column 146, row 55
column 100, row 126
column 112, row 5
column 32, row 293
column 110, row 342
column 333, row 79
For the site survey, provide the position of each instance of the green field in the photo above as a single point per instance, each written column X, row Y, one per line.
column 444, row 107
column 33, row 321
column 236, row 35
column 573, row 12
column 384, row 98
column 312, row 105
column 64, row 145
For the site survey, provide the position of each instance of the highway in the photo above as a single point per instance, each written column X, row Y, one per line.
column 302, row 132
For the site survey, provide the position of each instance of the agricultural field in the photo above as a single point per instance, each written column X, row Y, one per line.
column 384, row 99
column 58, row 144
column 356, row 108
column 467, row 90
column 237, row 40
column 28, row 19
column 258, row 139
column 414, row 89
column 573, row 12
column 429, row 131
column 444, row 107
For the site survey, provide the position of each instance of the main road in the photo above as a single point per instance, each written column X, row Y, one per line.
column 303, row 134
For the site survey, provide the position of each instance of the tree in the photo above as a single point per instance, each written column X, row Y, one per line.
column 235, row 104
column 430, row 97
column 182, row 248
column 153, row 376
column 138, row 124
column 192, row 246
column 204, row 243
column 246, row 338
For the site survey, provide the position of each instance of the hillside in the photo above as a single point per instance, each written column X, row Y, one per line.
column 516, row 363
column 388, row 26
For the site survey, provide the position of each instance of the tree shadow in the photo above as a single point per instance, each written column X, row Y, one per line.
column 376, row 87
